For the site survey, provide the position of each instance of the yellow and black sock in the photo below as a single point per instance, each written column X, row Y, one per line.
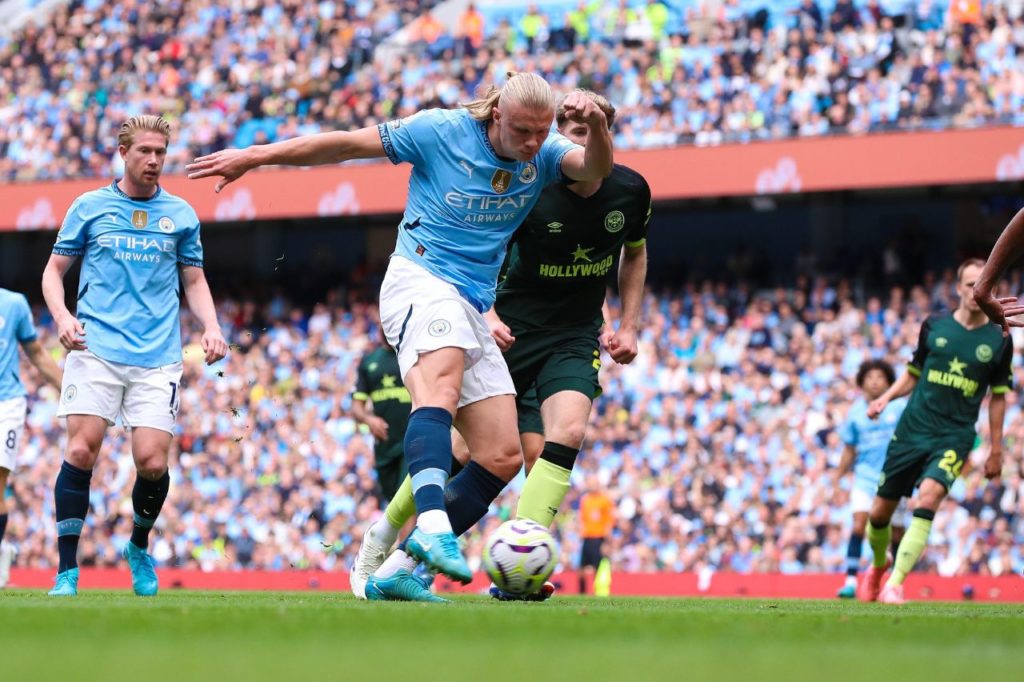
column 912, row 544
column 547, row 484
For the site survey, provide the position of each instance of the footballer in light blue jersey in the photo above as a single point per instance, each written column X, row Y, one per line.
column 465, row 201
column 477, row 172
column 16, row 329
column 131, row 249
column 139, row 245
column 866, row 442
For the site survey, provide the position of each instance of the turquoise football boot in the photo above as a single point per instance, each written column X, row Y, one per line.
column 441, row 553
column 144, row 580
column 66, row 584
column 402, row 586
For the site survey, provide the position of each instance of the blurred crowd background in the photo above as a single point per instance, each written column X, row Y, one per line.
column 237, row 72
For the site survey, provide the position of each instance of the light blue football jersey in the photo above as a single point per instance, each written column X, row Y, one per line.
column 871, row 439
column 464, row 201
column 128, row 290
column 16, row 328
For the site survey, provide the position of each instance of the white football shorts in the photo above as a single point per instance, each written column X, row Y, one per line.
column 12, row 427
column 421, row 313
column 141, row 396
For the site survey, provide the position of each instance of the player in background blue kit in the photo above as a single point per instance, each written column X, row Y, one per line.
column 16, row 329
column 477, row 172
column 866, row 441
column 138, row 244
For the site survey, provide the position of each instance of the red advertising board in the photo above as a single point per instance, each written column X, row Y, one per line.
column 808, row 165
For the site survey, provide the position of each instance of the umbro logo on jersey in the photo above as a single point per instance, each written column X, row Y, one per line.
column 555, row 228
column 501, row 180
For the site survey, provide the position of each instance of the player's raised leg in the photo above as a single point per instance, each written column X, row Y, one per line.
column 879, row 533
column 565, row 417
column 71, row 495
column 150, row 447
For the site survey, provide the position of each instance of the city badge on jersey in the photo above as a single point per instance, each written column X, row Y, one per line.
column 166, row 225
column 439, row 327
column 983, row 353
column 528, row 174
column 140, row 219
column 501, row 180
column 614, row 221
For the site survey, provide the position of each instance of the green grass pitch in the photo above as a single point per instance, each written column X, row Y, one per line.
column 300, row 637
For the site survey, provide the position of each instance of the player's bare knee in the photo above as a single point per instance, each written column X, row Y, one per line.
column 151, row 467
column 569, row 434
column 81, row 454
column 444, row 395
column 930, row 498
column 505, row 461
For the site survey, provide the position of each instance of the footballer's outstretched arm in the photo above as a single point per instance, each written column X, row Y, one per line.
column 200, row 302
column 69, row 330
column 306, row 150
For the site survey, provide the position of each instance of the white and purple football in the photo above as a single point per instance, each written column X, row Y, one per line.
column 520, row 555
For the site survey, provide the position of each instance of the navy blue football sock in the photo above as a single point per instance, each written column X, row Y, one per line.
column 469, row 494
column 428, row 452
column 3, row 526
column 853, row 553
column 71, row 499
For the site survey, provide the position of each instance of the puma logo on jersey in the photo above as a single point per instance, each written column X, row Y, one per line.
column 466, row 167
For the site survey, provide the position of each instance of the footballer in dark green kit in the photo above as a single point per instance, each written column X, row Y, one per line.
column 380, row 382
column 548, row 314
column 960, row 357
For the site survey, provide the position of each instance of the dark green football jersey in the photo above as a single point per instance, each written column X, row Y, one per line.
column 955, row 367
column 380, row 381
column 561, row 257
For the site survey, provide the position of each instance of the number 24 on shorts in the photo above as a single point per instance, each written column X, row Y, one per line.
column 950, row 465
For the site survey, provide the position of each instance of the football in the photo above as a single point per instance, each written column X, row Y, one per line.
column 520, row 555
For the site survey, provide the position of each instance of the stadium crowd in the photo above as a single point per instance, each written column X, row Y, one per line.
column 718, row 445
column 681, row 71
